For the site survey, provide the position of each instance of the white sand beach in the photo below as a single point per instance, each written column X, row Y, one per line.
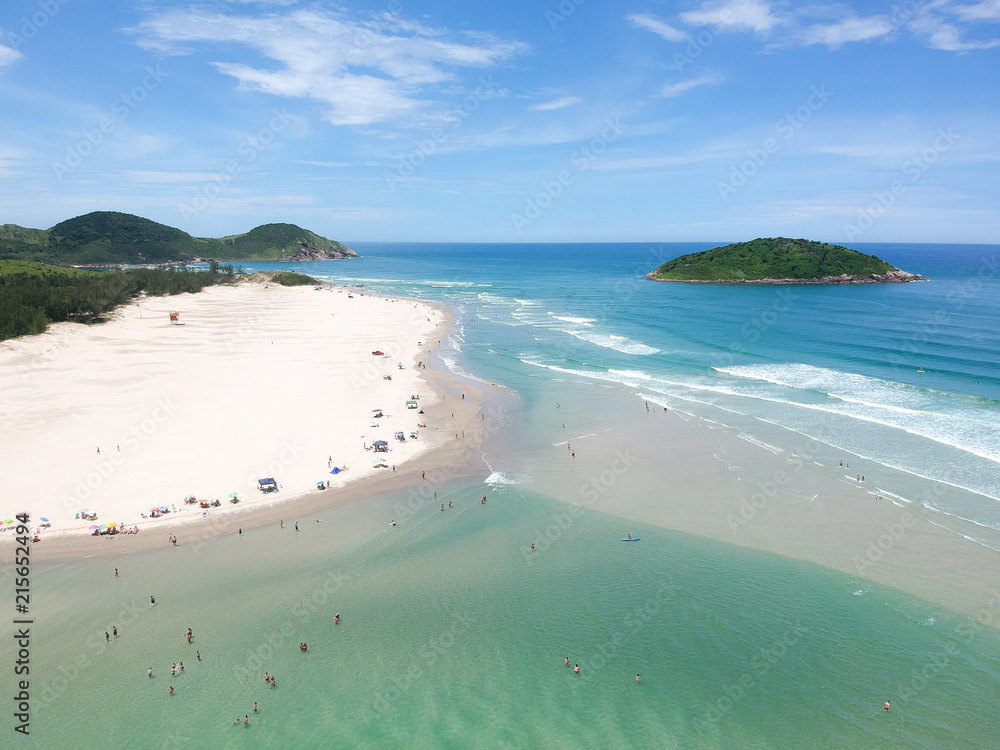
column 256, row 381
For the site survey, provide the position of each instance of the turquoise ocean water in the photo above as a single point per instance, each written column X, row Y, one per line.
column 454, row 635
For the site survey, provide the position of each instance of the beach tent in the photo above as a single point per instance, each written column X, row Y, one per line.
column 336, row 470
column 380, row 446
column 412, row 404
column 267, row 485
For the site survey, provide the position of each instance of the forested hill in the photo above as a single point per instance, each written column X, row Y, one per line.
column 780, row 260
column 114, row 238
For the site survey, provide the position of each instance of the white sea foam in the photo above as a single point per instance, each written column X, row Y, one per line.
column 499, row 478
column 572, row 319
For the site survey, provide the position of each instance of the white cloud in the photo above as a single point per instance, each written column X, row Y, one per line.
column 319, row 54
column 946, row 36
column 8, row 55
column 149, row 176
column 988, row 10
column 733, row 15
column 848, row 30
column 323, row 163
column 661, row 28
column 565, row 101
column 676, row 89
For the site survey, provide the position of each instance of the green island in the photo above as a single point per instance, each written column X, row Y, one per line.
column 111, row 238
column 780, row 260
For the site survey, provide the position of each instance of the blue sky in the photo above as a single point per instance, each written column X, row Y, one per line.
column 524, row 121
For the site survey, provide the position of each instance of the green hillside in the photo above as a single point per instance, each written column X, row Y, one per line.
column 273, row 242
column 114, row 238
column 771, row 258
column 110, row 236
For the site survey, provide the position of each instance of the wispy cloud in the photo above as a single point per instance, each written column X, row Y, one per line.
column 8, row 55
column 658, row 27
column 988, row 10
column 733, row 15
column 323, row 163
column 676, row 89
column 847, row 30
column 946, row 36
column 364, row 72
column 566, row 101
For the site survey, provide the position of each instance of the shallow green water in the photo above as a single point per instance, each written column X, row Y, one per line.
column 454, row 634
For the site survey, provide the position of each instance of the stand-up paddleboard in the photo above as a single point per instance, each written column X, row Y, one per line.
column 633, row 539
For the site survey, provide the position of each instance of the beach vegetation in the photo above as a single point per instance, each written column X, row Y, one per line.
column 771, row 258
column 33, row 295
column 291, row 278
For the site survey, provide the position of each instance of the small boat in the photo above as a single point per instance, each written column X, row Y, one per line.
column 630, row 539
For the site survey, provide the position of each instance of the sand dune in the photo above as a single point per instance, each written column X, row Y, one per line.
column 259, row 381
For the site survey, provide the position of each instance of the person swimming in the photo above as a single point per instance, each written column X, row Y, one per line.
column 887, row 707
column 566, row 661
column 576, row 669
column 303, row 647
column 336, row 619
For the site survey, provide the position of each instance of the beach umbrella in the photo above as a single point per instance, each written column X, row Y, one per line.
column 92, row 528
column 232, row 494
column 9, row 520
column 45, row 519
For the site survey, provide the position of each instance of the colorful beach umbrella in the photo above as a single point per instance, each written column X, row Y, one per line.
column 92, row 528
column 9, row 520
column 45, row 519
column 232, row 494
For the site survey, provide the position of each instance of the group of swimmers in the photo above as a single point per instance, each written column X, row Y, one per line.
column 576, row 668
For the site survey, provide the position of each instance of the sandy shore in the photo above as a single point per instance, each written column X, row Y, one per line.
column 259, row 381
column 692, row 476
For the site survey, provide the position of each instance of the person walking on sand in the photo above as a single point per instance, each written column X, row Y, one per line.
column 150, row 672
column 114, row 631
column 116, row 572
column 296, row 525
column 198, row 654
column 107, row 637
column 255, row 706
